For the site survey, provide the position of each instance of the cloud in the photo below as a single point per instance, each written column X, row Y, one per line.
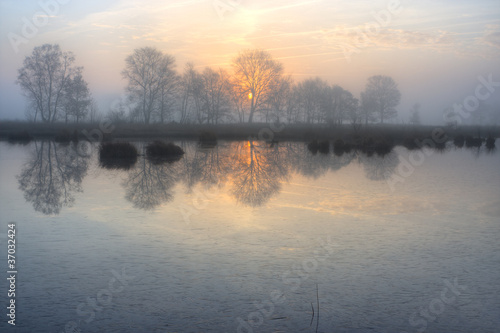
column 387, row 38
column 492, row 36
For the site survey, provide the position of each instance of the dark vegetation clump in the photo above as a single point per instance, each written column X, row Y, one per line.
column 471, row 142
column 490, row 143
column 65, row 136
column 410, row 143
column 340, row 147
column 207, row 139
column 119, row 155
column 22, row 137
column 383, row 147
column 440, row 146
column 459, row 141
column 316, row 146
column 159, row 152
column 369, row 146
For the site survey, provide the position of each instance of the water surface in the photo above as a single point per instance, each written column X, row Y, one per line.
column 238, row 238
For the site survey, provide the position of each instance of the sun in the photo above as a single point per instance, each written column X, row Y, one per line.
column 250, row 95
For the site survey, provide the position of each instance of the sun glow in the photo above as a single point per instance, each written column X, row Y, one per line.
column 250, row 95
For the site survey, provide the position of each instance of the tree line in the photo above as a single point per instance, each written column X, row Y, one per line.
column 255, row 89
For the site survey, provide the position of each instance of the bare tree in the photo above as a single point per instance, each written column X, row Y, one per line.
column 340, row 104
column 216, row 95
column 311, row 95
column 255, row 74
column 278, row 101
column 76, row 98
column 43, row 78
column 383, row 93
column 150, row 75
column 191, row 86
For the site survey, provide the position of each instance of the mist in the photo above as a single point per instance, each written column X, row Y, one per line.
column 434, row 51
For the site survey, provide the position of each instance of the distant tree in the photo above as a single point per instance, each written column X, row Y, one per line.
column 340, row 103
column 76, row 98
column 312, row 99
column 278, row 101
column 151, row 77
column 415, row 114
column 255, row 75
column 356, row 117
column 117, row 114
column 383, row 95
column 216, row 94
column 43, row 78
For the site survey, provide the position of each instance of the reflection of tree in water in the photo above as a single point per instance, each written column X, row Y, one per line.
column 315, row 166
column 257, row 172
column 52, row 175
column 210, row 166
column 379, row 167
column 150, row 184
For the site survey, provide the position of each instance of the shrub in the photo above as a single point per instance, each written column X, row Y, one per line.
column 459, row 141
column 490, row 143
column 120, row 155
column 159, row 151
column 473, row 142
column 324, row 147
column 339, row 147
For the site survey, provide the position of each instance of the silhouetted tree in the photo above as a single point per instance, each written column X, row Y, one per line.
column 312, row 99
column 43, row 78
column 279, row 101
column 340, row 104
column 76, row 98
column 216, row 95
column 255, row 75
column 382, row 95
column 151, row 78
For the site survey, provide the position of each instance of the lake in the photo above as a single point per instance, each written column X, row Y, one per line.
column 249, row 237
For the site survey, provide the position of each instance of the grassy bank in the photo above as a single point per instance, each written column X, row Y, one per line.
column 396, row 134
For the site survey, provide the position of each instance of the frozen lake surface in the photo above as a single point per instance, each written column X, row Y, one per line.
column 248, row 238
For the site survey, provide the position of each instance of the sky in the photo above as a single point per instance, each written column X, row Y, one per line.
column 435, row 50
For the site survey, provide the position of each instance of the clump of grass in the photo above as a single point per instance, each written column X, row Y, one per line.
column 321, row 146
column 159, row 151
column 383, row 147
column 490, row 143
column 471, row 142
column 207, row 139
column 410, row 143
column 440, row 146
column 459, row 141
column 369, row 146
column 340, row 147
column 22, row 137
column 119, row 155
